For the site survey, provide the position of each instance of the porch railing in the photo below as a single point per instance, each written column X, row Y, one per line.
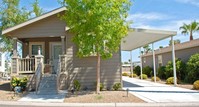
column 26, row 65
column 38, row 76
column 61, row 69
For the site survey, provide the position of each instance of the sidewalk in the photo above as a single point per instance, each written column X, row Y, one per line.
column 33, row 104
column 155, row 92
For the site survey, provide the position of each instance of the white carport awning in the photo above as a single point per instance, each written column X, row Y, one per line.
column 140, row 37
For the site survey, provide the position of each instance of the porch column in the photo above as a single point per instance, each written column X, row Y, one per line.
column 63, row 44
column 154, row 66
column 15, row 59
column 140, row 63
column 131, row 64
column 174, row 61
column 15, row 47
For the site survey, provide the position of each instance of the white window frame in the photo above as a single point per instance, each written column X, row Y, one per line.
column 160, row 61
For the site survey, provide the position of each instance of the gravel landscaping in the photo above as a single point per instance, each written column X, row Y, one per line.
column 103, row 97
column 6, row 94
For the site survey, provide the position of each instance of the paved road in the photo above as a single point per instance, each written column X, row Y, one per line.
column 155, row 92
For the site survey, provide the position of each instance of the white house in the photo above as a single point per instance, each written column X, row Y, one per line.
column 2, row 63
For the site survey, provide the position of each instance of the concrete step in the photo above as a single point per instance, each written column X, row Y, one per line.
column 47, row 92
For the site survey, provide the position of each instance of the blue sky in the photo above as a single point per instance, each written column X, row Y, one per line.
column 151, row 14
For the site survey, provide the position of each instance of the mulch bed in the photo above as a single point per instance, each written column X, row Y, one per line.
column 6, row 94
column 103, row 97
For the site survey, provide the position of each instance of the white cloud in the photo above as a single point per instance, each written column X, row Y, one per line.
column 147, row 16
column 192, row 2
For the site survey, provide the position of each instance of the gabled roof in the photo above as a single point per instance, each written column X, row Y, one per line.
column 53, row 12
column 179, row 46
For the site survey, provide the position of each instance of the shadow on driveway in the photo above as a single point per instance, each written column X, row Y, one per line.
column 128, row 84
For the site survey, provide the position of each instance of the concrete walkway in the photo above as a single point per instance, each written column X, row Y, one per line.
column 155, row 92
column 55, row 98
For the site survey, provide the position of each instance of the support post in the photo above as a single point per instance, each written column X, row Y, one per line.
column 174, row 62
column 15, row 47
column 63, row 44
column 131, row 64
column 154, row 66
column 141, row 63
column 38, row 59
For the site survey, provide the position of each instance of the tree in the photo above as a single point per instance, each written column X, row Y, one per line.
column 98, row 26
column 190, row 29
column 12, row 14
column 146, row 49
column 37, row 10
column 177, row 41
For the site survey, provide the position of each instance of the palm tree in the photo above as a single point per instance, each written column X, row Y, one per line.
column 190, row 29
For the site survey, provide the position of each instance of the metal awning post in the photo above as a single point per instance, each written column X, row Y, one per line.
column 141, row 63
column 174, row 62
column 154, row 66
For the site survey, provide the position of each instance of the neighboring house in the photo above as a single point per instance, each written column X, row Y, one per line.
column 163, row 55
column 2, row 64
column 127, row 67
column 49, row 36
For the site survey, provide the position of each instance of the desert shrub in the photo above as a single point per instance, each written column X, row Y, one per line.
column 101, row 86
column 157, row 78
column 144, row 76
column 132, row 75
column 117, row 86
column 192, row 69
column 196, row 85
column 17, row 81
column 77, row 85
column 170, row 80
column 180, row 69
column 161, row 72
column 137, row 70
column 147, row 70
column 125, row 74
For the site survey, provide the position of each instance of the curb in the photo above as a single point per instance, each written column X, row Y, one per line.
column 33, row 104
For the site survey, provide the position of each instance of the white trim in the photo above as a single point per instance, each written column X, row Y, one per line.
column 37, row 43
column 34, row 20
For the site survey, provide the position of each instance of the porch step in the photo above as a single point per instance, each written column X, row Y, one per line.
column 48, row 85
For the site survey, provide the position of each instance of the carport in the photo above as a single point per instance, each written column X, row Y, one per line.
column 138, row 38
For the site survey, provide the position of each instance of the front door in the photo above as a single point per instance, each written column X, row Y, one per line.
column 56, row 50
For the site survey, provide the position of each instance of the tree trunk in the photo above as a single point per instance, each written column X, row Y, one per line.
column 191, row 36
column 98, row 74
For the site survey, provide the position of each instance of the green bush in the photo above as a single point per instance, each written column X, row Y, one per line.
column 180, row 69
column 117, row 86
column 170, row 80
column 77, row 85
column 17, row 81
column 125, row 74
column 134, row 75
column 161, row 72
column 144, row 76
column 137, row 70
column 101, row 86
column 147, row 70
column 196, row 85
column 157, row 79
column 192, row 69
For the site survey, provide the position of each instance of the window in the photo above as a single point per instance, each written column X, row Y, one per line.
column 0, row 59
column 160, row 60
column 34, row 47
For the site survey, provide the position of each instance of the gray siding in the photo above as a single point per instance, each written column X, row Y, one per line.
column 84, row 69
column 183, row 54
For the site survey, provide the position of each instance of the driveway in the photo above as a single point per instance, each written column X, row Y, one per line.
column 155, row 92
